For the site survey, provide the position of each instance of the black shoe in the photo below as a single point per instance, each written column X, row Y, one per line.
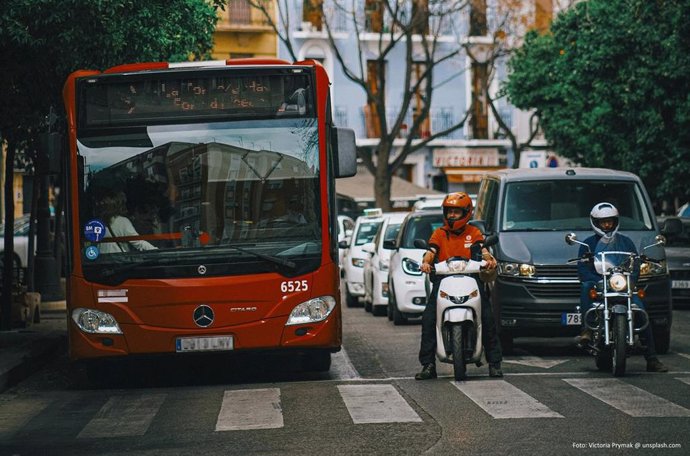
column 428, row 372
column 495, row 370
column 654, row 365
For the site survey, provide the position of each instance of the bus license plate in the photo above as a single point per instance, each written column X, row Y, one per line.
column 571, row 319
column 196, row 344
column 680, row 284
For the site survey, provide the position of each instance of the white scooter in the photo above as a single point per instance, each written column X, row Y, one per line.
column 459, row 311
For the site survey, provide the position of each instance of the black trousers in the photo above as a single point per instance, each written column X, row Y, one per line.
column 492, row 345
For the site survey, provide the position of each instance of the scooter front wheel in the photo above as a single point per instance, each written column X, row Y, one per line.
column 459, row 340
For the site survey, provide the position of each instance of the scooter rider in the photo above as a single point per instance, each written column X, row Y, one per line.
column 604, row 220
column 453, row 239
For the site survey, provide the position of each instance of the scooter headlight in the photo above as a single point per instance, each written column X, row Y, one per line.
column 617, row 282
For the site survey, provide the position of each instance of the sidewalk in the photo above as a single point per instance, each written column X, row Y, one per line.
column 25, row 350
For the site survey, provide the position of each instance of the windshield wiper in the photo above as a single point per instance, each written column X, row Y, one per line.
column 271, row 258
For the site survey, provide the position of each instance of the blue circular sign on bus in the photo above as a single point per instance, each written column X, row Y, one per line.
column 91, row 252
column 94, row 230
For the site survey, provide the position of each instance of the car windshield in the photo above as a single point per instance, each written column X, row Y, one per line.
column 560, row 205
column 366, row 232
column 391, row 232
column 420, row 227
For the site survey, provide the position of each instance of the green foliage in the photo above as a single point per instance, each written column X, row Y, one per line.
column 42, row 41
column 611, row 85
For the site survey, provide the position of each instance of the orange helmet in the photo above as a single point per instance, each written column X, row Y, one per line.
column 459, row 200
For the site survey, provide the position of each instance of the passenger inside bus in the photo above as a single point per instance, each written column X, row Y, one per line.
column 112, row 208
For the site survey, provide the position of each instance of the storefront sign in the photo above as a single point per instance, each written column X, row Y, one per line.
column 462, row 157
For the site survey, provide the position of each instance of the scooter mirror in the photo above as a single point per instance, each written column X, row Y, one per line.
column 420, row 244
column 570, row 238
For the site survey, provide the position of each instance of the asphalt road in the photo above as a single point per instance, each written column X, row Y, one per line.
column 551, row 401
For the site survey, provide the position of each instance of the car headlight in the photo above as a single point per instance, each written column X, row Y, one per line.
column 651, row 269
column 617, row 282
column 383, row 264
column 95, row 321
column 411, row 267
column 516, row 269
column 312, row 311
column 358, row 262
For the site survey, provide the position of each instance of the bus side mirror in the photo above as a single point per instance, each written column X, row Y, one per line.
column 345, row 151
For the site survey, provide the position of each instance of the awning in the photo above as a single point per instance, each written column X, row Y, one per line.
column 360, row 187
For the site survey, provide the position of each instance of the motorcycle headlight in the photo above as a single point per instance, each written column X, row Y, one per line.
column 617, row 282
column 312, row 311
column 516, row 269
column 411, row 267
column 95, row 322
column 651, row 269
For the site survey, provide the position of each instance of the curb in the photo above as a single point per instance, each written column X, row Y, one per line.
column 50, row 306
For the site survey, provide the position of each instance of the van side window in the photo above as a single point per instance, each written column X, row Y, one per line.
column 486, row 205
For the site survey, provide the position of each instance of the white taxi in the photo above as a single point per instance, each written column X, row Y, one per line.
column 354, row 257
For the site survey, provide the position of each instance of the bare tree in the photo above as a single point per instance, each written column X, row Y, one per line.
column 421, row 28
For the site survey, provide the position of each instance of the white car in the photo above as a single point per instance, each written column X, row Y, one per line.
column 345, row 227
column 21, row 242
column 354, row 257
column 407, row 293
column 376, row 267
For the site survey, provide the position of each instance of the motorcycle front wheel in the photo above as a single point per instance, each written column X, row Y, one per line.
column 458, row 337
column 620, row 329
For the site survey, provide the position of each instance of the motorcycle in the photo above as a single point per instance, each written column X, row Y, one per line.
column 614, row 319
column 459, row 309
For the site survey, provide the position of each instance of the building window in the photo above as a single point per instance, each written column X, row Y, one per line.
column 375, row 69
column 312, row 11
column 239, row 12
column 478, row 25
column 373, row 10
column 543, row 14
column 424, row 130
column 420, row 17
column 480, row 108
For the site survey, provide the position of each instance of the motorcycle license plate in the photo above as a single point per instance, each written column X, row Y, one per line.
column 197, row 344
column 571, row 319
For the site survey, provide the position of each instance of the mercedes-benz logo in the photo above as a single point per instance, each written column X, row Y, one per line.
column 203, row 316
column 201, row 269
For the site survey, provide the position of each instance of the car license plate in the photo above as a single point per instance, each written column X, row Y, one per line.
column 196, row 344
column 680, row 284
column 571, row 319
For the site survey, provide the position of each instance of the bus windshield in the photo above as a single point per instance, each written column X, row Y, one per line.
column 219, row 198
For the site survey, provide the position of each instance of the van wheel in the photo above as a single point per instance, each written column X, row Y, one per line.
column 507, row 343
column 367, row 305
column 662, row 340
column 398, row 317
column 378, row 311
column 350, row 300
column 391, row 302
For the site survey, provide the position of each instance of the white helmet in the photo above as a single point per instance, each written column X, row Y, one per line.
column 600, row 212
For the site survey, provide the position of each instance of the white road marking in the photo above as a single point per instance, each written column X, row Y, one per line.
column 16, row 413
column 500, row 399
column 250, row 409
column 534, row 361
column 684, row 355
column 684, row 379
column 629, row 399
column 123, row 416
column 342, row 368
column 377, row 404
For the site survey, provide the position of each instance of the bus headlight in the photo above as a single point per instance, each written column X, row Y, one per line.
column 617, row 282
column 95, row 322
column 312, row 311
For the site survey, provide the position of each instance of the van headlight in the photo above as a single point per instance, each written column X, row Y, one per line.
column 312, row 311
column 383, row 264
column 358, row 262
column 652, row 269
column 411, row 267
column 95, row 321
column 516, row 269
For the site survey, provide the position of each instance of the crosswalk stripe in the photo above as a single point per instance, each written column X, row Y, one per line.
column 15, row 414
column 500, row 399
column 250, row 409
column 123, row 416
column 376, row 404
column 627, row 398
column 342, row 368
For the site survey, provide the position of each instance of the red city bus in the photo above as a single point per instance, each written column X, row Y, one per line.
column 200, row 219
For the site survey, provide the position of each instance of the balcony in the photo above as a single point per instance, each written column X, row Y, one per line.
column 439, row 119
column 239, row 16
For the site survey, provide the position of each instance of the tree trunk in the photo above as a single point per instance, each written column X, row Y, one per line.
column 8, row 269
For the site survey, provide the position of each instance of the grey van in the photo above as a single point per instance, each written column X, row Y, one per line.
column 532, row 210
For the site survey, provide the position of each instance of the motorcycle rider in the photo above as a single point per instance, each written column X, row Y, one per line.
column 604, row 220
column 453, row 239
